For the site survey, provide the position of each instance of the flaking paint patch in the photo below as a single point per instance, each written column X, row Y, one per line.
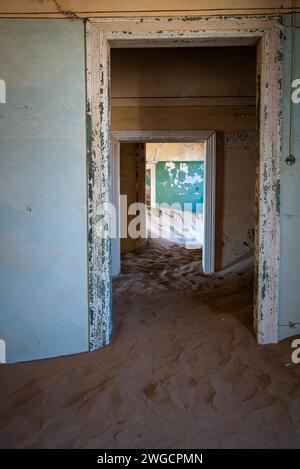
column 90, row 182
column 278, row 196
column 265, row 280
column 244, row 136
column 99, row 292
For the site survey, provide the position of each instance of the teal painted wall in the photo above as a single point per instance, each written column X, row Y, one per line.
column 180, row 182
column 290, row 196
column 43, row 233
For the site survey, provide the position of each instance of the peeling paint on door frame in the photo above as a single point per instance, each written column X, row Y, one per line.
column 101, row 35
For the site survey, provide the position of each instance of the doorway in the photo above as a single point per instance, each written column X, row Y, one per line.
column 207, row 139
column 265, row 35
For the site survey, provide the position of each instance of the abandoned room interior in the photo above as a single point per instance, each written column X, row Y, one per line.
column 149, row 165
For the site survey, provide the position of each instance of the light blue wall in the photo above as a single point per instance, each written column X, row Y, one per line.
column 290, row 198
column 43, row 233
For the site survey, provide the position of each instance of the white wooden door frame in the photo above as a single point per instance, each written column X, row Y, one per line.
column 209, row 137
column 104, row 33
column 115, row 198
column 152, row 168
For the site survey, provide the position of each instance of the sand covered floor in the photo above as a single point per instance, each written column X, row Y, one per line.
column 183, row 370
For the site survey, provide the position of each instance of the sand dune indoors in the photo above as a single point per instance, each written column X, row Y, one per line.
column 183, row 370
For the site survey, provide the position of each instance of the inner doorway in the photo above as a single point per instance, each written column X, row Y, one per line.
column 182, row 211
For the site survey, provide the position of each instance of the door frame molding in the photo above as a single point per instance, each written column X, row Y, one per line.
column 181, row 136
column 104, row 33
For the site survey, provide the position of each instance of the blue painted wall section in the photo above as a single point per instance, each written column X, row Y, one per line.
column 43, row 234
column 290, row 197
column 180, row 182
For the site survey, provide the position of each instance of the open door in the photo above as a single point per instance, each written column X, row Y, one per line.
column 115, row 199
column 208, row 256
column 128, row 180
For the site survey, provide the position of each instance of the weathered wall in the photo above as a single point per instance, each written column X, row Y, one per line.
column 290, row 196
column 179, row 173
column 180, row 183
column 199, row 89
column 43, row 257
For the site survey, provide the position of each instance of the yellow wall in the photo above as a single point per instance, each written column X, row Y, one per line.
column 100, row 8
column 174, row 152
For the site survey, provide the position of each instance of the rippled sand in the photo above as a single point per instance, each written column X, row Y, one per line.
column 183, row 370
